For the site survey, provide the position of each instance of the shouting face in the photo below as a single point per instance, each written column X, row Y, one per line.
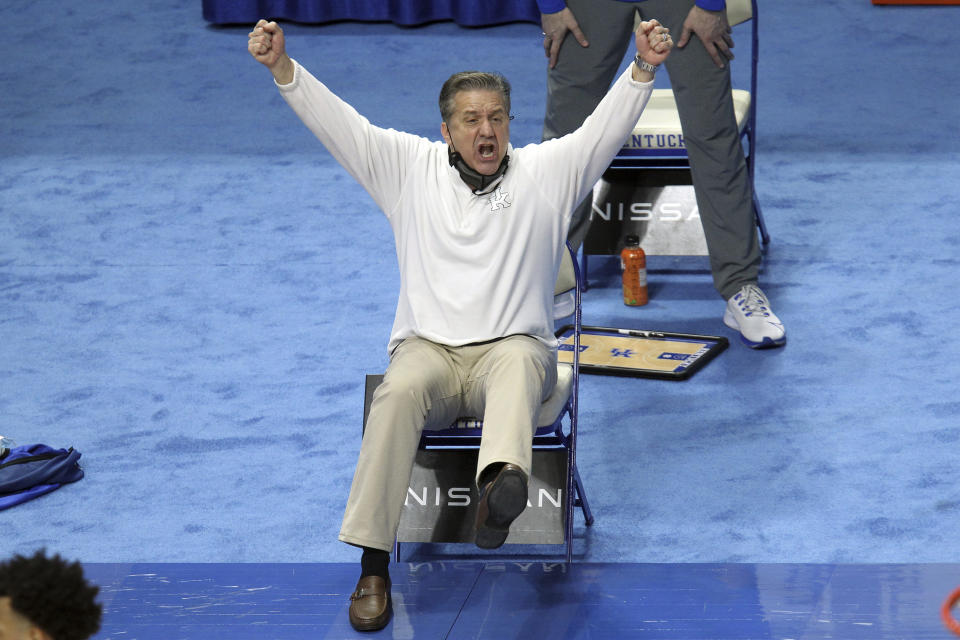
column 479, row 129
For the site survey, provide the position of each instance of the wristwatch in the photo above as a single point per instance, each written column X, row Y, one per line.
column 646, row 66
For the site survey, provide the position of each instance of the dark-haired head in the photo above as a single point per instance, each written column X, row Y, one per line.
column 472, row 81
column 46, row 598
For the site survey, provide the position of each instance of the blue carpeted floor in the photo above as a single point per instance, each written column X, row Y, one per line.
column 191, row 291
column 465, row 600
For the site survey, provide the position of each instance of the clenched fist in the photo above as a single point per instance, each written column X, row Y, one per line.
column 653, row 42
column 266, row 44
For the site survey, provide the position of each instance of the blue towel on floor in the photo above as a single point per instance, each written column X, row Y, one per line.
column 30, row 471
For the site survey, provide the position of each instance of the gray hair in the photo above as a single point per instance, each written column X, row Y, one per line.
column 472, row 81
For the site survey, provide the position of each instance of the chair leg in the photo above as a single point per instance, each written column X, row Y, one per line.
column 583, row 267
column 581, row 500
column 568, row 521
column 764, row 235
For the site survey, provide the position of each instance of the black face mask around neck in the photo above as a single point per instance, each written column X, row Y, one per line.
column 476, row 181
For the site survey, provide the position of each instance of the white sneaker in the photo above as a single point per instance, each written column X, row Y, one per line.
column 749, row 313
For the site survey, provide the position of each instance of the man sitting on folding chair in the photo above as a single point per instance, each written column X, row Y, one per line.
column 479, row 227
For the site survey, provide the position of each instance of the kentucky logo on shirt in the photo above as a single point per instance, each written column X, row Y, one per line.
column 499, row 199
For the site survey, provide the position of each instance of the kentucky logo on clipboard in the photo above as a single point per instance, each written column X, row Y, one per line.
column 649, row 354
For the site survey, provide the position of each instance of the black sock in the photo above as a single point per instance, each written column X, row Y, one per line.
column 488, row 474
column 374, row 562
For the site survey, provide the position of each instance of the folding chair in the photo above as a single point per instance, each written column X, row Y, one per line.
column 556, row 434
column 657, row 141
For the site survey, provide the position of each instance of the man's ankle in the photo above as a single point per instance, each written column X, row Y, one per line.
column 375, row 562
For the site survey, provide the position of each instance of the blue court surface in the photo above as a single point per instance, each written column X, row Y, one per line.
column 459, row 600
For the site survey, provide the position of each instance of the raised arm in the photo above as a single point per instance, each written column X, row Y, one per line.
column 377, row 158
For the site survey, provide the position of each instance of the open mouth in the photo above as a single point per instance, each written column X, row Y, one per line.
column 486, row 151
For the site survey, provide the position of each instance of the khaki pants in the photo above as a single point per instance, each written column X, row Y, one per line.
column 428, row 385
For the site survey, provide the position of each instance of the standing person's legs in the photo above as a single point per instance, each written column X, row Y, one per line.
column 720, row 178
column 582, row 77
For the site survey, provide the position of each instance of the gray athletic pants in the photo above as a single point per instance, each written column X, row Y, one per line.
column 724, row 197
column 428, row 385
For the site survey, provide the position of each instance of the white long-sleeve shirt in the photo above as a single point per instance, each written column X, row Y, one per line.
column 472, row 267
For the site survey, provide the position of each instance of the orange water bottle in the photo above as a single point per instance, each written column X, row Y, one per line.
column 633, row 264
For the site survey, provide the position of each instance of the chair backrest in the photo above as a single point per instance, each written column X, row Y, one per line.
column 567, row 276
column 565, row 289
column 739, row 11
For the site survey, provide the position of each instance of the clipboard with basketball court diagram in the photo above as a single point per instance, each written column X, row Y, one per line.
column 648, row 354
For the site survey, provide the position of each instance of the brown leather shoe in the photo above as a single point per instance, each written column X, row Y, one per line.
column 501, row 501
column 370, row 604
